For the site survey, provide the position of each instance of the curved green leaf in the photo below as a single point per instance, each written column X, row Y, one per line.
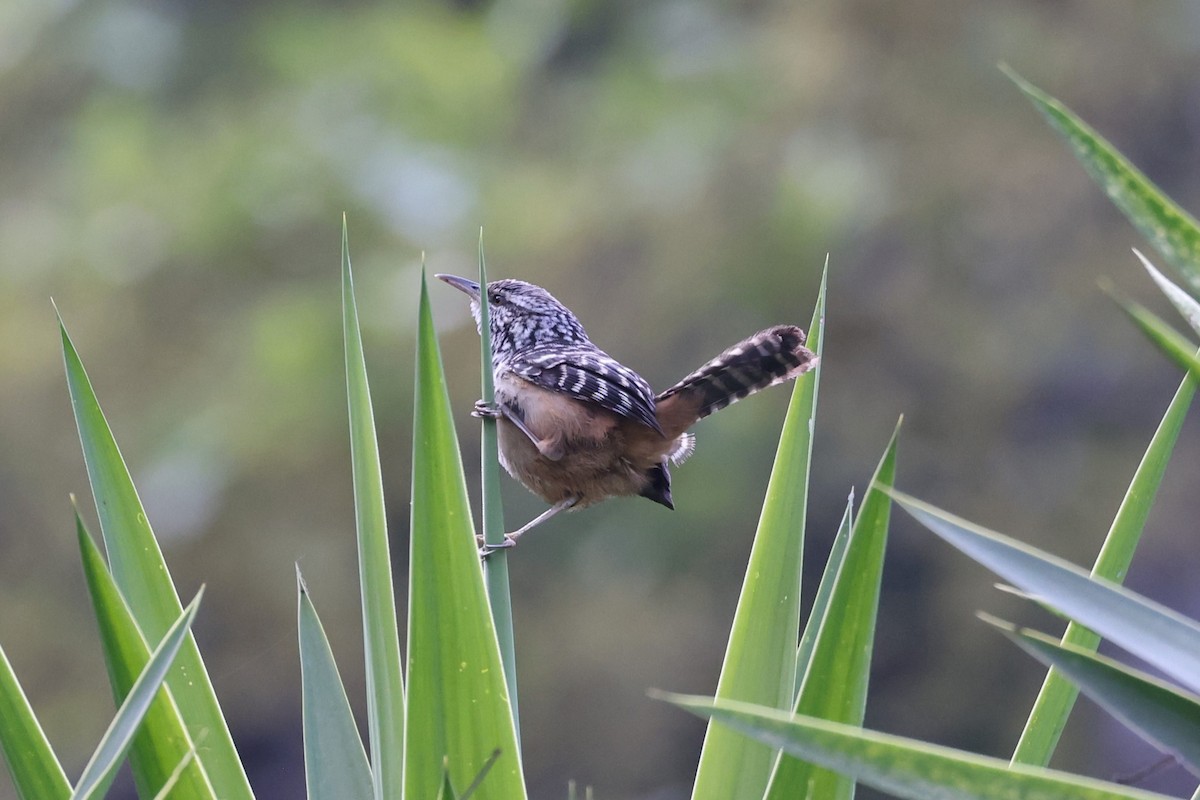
column 1171, row 230
column 833, row 565
column 835, row 684
column 905, row 768
column 1162, row 714
column 381, row 633
column 1154, row 633
column 162, row 743
column 1173, row 344
column 35, row 769
column 496, row 568
column 1057, row 695
column 457, row 696
column 141, row 575
column 760, row 659
column 102, row 767
column 335, row 762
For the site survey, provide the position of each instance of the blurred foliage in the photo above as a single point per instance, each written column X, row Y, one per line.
column 675, row 171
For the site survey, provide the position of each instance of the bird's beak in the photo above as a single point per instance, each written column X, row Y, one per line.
column 469, row 288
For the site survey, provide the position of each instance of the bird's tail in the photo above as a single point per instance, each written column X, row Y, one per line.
column 764, row 359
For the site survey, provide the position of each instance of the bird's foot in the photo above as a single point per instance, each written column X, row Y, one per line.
column 484, row 409
column 486, row 549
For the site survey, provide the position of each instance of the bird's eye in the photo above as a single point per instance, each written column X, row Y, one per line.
column 494, row 296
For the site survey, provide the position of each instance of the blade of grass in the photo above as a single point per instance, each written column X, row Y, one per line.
column 163, row 741
column 833, row 565
column 141, row 575
column 1171, row 230
column 760, row 659
column 35, row 770
column 102, row 767
column 496, row 568
column 458, row 698
column 381, row 634
column 1161, row 714
column 901, row 767
column 1057, row 696
column 335, row 762
column 1154, row 633
column 835, row 683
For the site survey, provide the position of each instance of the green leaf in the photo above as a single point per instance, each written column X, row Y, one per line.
column 1159, row 712
column 1171, row 230
column 496, row 568
column 833, row 565
column 381, row 634
column 760, row 659
column 835, row 684
column 163, row 742
column 141, row 576
column 1057, row 696
column 904, row 768
column 1184, row 303
column 1173, row 344
column 35, row 770
column 102, row 766
column 1154, row 633
column 457, row 696
column 335, row 762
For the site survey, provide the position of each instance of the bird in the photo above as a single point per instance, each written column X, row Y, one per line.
column 576, row 427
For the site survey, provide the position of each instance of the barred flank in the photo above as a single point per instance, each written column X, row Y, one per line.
column 765, row 359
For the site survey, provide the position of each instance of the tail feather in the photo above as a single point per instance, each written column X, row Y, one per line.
column 764, row 359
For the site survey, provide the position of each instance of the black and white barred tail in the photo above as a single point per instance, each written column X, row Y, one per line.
column 764, row 359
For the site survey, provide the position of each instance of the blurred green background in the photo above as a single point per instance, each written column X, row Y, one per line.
column 173, row 175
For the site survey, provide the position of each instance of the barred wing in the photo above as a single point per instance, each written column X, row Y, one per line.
column 589, row 374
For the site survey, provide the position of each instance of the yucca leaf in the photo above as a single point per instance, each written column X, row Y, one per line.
column 1154, row 633
column 760, row 659
column 163, row 742
column 381, row 635
column 1057, row 696
column 1171, row 230
column 141, row 575
column 102, row 767
column 335, row 762
column 901, row 767
column 457, row 695
column 835, row 683
column 36, row 771
column 496, row 568
column 1162, row 714
column 833, row 565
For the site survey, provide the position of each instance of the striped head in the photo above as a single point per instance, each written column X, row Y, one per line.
column 523, row 317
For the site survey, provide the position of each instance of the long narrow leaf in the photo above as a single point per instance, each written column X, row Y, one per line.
column 835, row 683
column 36, row 771
column 99, row 772
column 833, row 565
column 163, row 742
column 1057, row 696
column 457, row 698
column 1173, row 344
column 1173, row 231
column 335, row 762
column 904, row 768
column 760, row 660
column 381, row 634
column 1156, row 634
column 141, row 574
column 1184, row 303
column 1162, row 714
column 496, row 568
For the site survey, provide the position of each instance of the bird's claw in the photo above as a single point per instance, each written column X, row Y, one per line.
column 484, row 409
column 486, row 549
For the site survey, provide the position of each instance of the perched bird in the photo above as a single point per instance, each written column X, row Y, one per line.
column 575, row 426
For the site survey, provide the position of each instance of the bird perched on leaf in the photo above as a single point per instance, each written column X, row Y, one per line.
column 575, row 426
